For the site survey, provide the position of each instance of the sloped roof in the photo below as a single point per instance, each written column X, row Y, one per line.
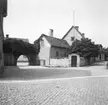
column 23, row 39
column 70, row 30
column 55, row 41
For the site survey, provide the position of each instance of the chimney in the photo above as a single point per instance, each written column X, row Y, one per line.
column 7, row 35
column 83, row 34
column 51, row 32
column 77, row 27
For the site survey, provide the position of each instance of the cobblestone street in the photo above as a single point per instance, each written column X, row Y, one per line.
column 87, row 90
column 76, row 91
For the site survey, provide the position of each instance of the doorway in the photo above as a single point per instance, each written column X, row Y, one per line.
column 73, row 61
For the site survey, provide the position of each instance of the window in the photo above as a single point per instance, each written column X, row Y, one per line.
column 42, row 43
column 72, row 38
column 57, row 53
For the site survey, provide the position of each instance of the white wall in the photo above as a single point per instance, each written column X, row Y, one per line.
column 60, row 62
column 44, row 53
column 78, row 59
column 66, row 62
column 72, row 33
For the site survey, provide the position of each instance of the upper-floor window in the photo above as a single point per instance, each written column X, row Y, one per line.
column 72, row 38
column 42, row 43
column 57, row 53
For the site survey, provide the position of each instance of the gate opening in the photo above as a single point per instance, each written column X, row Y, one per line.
column 22, row 61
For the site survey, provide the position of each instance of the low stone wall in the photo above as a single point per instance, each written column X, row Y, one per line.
column 82, row 61
column 66, row 62
column 60, row 62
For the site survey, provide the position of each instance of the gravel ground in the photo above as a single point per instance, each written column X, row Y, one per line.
column 30, row 73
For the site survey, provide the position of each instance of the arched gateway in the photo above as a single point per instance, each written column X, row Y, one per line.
column 74, row 60
column 14, row 48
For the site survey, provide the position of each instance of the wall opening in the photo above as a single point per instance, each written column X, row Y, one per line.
column 22, row 61
column 73, row 61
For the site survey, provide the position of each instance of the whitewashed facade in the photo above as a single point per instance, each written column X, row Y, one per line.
column 50, row 47
column 73, row 34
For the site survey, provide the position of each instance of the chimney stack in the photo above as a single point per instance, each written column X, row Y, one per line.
column 51, row 32
column 77, row 27
column 7, row 35
column 83, row 34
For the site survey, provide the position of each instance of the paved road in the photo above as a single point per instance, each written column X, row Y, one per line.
column 98, row 69
column 92, row 90
column 76, row 91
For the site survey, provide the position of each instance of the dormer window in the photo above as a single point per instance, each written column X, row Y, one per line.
column 72, row 38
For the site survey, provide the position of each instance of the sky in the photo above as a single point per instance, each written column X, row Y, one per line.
column 31, row 18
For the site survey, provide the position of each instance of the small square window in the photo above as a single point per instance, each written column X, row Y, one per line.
column 72, row 38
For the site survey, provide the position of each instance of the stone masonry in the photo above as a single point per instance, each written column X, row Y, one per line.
column 3, row 13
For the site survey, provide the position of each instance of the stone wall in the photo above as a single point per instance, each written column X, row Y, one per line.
column 9, row 59
column 1, row 54
column 60, row 62
column 1, row 45
column 66, row 62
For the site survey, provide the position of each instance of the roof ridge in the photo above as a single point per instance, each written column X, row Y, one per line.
column 67, row 32
column 56, row 41
column 53, row 37
column 70, row 30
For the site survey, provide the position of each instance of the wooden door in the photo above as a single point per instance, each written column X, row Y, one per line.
column 74, row 61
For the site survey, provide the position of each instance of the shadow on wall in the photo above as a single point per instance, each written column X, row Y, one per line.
column 24, row 73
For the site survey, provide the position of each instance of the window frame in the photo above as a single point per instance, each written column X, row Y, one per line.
column 72, row 38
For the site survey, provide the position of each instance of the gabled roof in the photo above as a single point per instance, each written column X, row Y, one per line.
column 71, row 29
column 55, row 41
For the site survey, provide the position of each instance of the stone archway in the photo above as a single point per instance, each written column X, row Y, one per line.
column 74, row 60
column 13, row 48
column 31, row 59
column 23, row 60
column 11, row 59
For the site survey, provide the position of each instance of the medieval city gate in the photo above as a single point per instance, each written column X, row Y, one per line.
column 14, row 48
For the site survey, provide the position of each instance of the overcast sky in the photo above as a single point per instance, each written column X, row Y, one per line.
column 30, row 18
